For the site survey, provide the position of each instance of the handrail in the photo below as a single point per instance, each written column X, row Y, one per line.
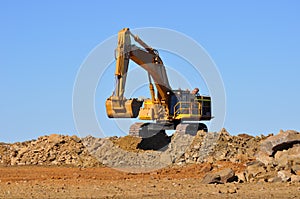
column 192, row 108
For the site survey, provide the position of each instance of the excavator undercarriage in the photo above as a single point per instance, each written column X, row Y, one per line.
column 146, row 130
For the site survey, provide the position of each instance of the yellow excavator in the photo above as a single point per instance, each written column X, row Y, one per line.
column 168, row 109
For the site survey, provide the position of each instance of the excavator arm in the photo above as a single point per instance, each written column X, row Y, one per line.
column 117, row 106
column 154, row 66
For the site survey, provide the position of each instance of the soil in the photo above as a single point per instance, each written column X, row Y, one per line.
column 208, row 165
column 127, row 143
column 103, row 182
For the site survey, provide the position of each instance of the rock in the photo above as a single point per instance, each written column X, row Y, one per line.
column 254, row 169
column 232, row 190
column 283, row 140
column 178, row 146
column 166, row 158
column 261, row 180
column 208, row 143
column 76, row 139
column 284, row 175
column 211, row 178
column 207, row 167
column 242, row 158
column 55, row 139
column 264, row 158
column 228, row 190
column 227, row 175
column 274, row 179
column 288, row 159
column 281, row 158
column 221, row 146
column 221, row 177
column 210, row 160
column 241, row 177
column 295, row 178
column 242, row 151
column 246, row 136
column 49, row 150
column 147, row 160
column 296, row 168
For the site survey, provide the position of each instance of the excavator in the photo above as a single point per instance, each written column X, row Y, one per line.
column 167, row 109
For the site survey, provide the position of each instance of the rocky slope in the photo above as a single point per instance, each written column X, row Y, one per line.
column 47, row 150
column 273, row 158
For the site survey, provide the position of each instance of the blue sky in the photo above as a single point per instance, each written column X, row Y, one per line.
column 255, row 44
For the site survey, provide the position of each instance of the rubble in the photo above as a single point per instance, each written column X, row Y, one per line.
column 48, row 150
column 273, row 158
column 222, row 146
column 136, row 161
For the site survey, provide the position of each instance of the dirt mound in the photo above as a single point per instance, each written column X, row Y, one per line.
column 128, row 143
column 221, row 146
column 278, row 159
column 48, row 150
column 136, row 144
column 270, row 158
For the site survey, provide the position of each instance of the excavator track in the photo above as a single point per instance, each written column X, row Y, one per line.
column 145, row 130
column 191, row 128
column 153, row 137
column 136, row 128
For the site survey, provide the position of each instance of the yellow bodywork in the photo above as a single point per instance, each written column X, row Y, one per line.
column 152, row 111
column 125, row 108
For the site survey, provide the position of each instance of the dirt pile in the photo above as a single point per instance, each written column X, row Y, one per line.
column 278, row 159
column 113, row 154
column 273, row 158
column 48, row 150
column 212, row 147
column 127, row 143
column 266, row 158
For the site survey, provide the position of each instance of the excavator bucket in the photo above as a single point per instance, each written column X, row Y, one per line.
column 123, row 108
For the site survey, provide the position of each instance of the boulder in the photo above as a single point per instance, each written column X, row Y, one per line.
column 284, row 175
column 220, row 177
column 211, row 178
column 241, row 177
column 283, row 140
column 264, row 158
column 288, row 159
column 254, row 169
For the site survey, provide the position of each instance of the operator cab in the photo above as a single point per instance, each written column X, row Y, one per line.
column 190, row 105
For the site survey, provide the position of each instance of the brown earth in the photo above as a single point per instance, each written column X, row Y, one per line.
column 102, row 182
column 127, row 143
column 208, row 165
